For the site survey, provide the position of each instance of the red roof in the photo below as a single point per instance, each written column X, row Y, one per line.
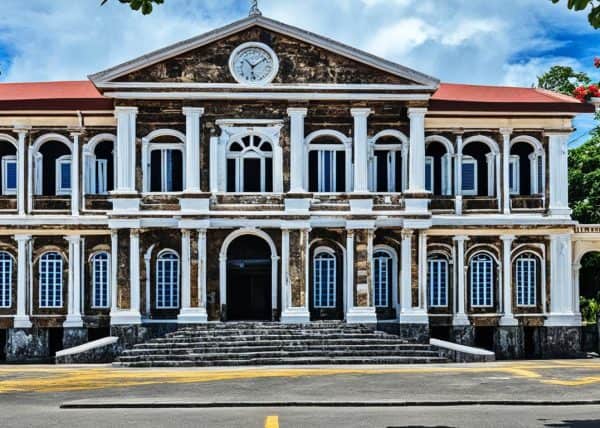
column 67, row 95
column 452, row 96
column 83, row 95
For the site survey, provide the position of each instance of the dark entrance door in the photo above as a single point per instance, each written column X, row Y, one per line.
column 249, row 280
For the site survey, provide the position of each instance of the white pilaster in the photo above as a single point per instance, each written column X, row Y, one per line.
column 297, row 181
column 559, row 178
column 506, row 133
column 458, row 177
column 188, row 314
column 75, row 176
column 125, row 159
column 563, row 305
column 508, row 318
column 460, row 318
column 114, row 267
column 74, row 286
column 349, row 270
column 213, row 168
column 360, row 314
column 416, row 173
column 21, row 319
column 202, row 271
column 21, row 156
column 192, row 148
column 422, row 270
column 361, row 149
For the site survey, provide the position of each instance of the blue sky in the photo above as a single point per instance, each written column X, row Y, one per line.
column 508, row 42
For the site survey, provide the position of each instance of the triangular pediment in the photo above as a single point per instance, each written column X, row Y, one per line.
column 305, row 58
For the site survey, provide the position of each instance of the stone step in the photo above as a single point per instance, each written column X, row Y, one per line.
column 280, row 342
column 266, row 336
column 227, row 333
column 285, row 361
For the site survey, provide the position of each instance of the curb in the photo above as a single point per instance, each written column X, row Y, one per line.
column 247, row 404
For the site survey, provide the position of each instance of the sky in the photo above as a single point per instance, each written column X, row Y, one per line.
column 507, row 42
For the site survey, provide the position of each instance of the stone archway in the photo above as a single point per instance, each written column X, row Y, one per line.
column 248, row 276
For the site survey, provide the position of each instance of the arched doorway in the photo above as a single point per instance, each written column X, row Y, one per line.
column 589, row 286
column 249, row 277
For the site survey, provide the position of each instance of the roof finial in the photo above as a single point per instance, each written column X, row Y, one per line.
column 254, row 10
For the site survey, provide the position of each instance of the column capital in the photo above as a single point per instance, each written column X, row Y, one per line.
column 21, row 129
column 358, row 112
column 417, row 111
column 407, row 233
column 506, row 132
column 508, row 238
column 22, row 238
column 199, row 111
column 76, row 132
column 126, row 109
column 460, row 238
column 297, row 111
column 73, row 238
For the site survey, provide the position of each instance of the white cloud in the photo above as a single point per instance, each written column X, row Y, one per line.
column 455, row 40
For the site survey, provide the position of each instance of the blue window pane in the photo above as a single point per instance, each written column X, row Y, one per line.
column 327, row 171
column 428, row 183
column 540, row 175
column 11, row 175
column 511, row 168
column 65, row 175
column 468, row 176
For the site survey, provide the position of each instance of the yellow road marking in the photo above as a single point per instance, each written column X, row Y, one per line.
column 272, row 422
column 56, row 379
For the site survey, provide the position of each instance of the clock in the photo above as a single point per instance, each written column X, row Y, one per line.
column 253, row 63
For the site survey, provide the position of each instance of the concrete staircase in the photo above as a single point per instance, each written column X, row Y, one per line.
column 255, row 343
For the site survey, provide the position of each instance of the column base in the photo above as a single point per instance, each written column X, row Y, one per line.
column 192, row 316
column 416, row 206
column 366, row 315
column 195, row 203
column 73, row 321
column 295, row 316
column 508, row 321
column 125, row 204
column 297, row 205
column 563, row 320
column 361, row 203
column 461, row 320
column 125, row 318
column 508, row 342
column 21, row 321
column 414, row 317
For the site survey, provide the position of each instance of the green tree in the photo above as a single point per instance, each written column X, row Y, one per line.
column 578, row 5
column 562, row 79
column 584, row 180
column 145, row 6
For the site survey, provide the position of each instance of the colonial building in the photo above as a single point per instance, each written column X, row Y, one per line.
column 263, row 172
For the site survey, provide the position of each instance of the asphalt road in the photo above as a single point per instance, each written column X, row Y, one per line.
column 31, row 396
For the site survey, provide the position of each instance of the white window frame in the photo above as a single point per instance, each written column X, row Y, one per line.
column 438, row 261
column 527, row 290
column 164, row 148
column 5, row 161
column 251, row 151
column 175, row 287
column 342, row 143
column 52, row 286
column 515, row 161
column 473, row 262
column 66, row 159
column 429, row 160
column 322, row 180
column 106, row 275
column 331, row 281
column 536, row 161
column 101, row 177
column 6, row 270
column 391, row 151
column 387, row 274
column 470, row 160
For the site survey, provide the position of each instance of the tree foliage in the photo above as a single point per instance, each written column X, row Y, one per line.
column 145, row 6
column 562, row 79
column 584, row 180
column 579, row 5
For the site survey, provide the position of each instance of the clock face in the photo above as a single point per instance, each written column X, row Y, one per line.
column 254, row 64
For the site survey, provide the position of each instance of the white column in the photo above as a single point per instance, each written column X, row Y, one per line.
column 202, row 271
column 405, row 272
column 192, row 148
column 297, row 182
column 422, row 270
column 508, row 318
column 213, row 168
column 458, row 175
column 563, row 310
column 460, row 318
column 74, row 319
column 349, row 271
column 286, row 286
column 361, row 149
column 189, row 314
column 21, row 320
column 126, row 141
column 114, row 267
column 21, row 156
column 559, row 178
column 416, row 173
column 505, row 173
column 75, row 177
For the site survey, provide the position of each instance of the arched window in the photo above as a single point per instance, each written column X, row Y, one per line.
column 99, row 164
column 250, row 165
column 438, row 165
column 51, row 280
column 526, row 166
column 8, row 154
column 482, row 280
column 382, row 277
column 6, row 267
column 167, row 280
column 437, row 280
column 100, row 280
column 387, row 163
column 162, row 161
column 50, row 165
column 526, row 278
column 329, row 157
column 324, row 271
column 480, row 167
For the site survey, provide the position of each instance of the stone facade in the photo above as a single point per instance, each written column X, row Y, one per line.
column 399, row 236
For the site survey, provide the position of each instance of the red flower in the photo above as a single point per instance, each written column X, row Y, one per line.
column 581, row 93
column 597, row 62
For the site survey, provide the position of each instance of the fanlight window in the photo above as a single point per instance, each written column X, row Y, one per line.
column 167, row 280
column 437, row 280
column 482, row 280
column 382, row 277
column 324, row 273
column 100, row 280
column 250, row 165
column 6, row 268
column 51, row 280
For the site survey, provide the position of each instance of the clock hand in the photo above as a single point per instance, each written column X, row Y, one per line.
column 262, row 60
